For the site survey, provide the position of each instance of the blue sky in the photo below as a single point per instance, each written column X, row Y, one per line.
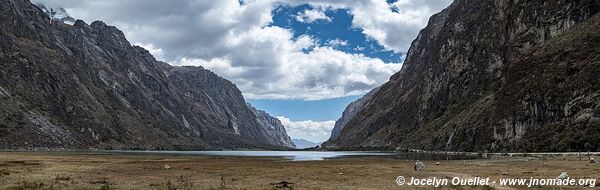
column 302, row 61
column 338, row 27
column 300, row 110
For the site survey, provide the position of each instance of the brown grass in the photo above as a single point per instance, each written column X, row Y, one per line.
column 104, row 171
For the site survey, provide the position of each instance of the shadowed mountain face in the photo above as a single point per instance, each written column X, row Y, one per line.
column 85, row 86
column 490, row 76
column 350, row 111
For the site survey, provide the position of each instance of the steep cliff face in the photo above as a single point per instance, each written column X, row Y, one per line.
column 273, row 128
column 85, row 86
column 351, row 110
column 491, row 75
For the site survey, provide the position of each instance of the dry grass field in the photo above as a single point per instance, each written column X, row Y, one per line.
column 39, row 170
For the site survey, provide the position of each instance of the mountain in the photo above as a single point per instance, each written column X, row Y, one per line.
column 274, row 129
column 85, row 86
column 57, row 14
column 491, row 75
column 301, row 143
column 350, row 111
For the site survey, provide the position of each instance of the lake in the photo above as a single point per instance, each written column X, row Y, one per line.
column 308, row 155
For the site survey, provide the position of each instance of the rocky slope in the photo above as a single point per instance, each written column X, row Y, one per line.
column 273, row 128
column 351, row 110
column 491, row 76
column 85, row 86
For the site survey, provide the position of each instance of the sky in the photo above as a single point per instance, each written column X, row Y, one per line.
column 302, row 61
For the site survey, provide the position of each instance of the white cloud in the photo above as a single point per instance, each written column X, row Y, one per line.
column 309, row 16
column 394, row 26
column 236, row 41
column 337, row 43
column 309, row 130
column 281, row 70
column 156, row 52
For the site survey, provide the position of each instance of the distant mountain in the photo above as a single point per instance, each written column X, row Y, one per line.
column 84, row 86
column 274, row 129
column 57, row 13
column 301, row 143
column 491, row 75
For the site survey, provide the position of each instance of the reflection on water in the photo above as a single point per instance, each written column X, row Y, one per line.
column 310, row 155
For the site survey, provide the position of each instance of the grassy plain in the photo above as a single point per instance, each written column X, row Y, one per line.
column 55, row 170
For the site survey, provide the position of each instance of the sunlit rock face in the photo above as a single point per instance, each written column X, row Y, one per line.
column 84, row 86
column 491, row 76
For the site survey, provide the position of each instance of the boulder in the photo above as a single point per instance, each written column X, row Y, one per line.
column 592, row 160
column 563, row 175
column 419, row 166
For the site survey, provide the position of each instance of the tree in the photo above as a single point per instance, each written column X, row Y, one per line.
column 588, row 147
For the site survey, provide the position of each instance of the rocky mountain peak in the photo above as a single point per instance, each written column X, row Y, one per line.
column 56, row 13
column 80, row 23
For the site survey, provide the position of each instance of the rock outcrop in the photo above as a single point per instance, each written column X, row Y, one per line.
column 491, row 75
column 85, row 86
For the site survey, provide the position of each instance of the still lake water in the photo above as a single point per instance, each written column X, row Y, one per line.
column 306, row 155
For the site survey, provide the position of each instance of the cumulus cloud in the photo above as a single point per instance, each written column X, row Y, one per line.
column 281, row 70
column 236, row 41
column 394, row 25
column 308, row 130
column 312, row 15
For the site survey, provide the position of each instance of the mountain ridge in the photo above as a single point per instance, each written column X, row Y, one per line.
column 446, row 97
column 85, row 86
